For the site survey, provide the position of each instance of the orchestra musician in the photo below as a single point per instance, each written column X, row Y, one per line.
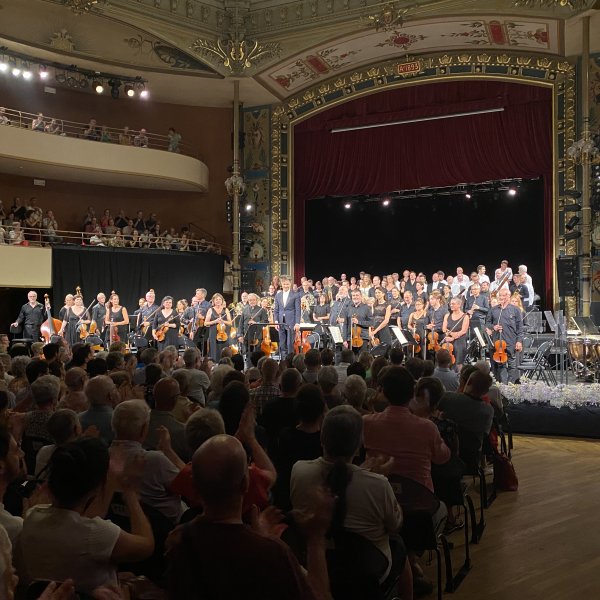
column 477, row 307
column 31, row 316
column 337, row 315
column 116, row 319
column 395, row 304
column 250, row 334
column 455, row 327
column 381, row 318
column 75, row 316
column 505, row 322
column 417, row 323
column 99, row 314
column 69, row 299
column 359, row 314
column 435, row 314
column 286, row 311
column 322, row 310
column 406, row 308
column 518, row 285
column 167, row 320
column 146, row 313
column 218, row 320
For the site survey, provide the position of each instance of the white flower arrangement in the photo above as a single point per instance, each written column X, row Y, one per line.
column 558, row 396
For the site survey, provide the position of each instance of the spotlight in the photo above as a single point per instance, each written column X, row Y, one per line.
column 347, row 205
column 248, row 207
column 468, row 196
column 572, row 207
column 115, row 84
column 512, row 192
column 572, row 222
column 98, row 86
column 572, row 235
column 386, row 202
column 572, row 193
column 3, row 65
column 144, row 94
column 16, row 71
column 27, row 74
column 129, row 90
column 43, row 72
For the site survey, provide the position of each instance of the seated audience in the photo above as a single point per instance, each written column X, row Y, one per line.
column 130, row 422
column 355, row 393
column 257, row 566
column 141, row 139
column 327, row 380
column 268, row 388
column 59, row 541
column 11, row 460
column 443, row 371
column 101, row 394
column 312, row 361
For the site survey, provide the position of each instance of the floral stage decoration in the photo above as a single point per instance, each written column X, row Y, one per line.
column 557, row 396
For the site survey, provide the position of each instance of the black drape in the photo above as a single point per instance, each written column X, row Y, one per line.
column 132, row 273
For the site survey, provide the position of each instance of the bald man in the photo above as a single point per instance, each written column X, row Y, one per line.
column 217, row 556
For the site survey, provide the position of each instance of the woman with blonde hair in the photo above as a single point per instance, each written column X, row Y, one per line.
column 218, row 320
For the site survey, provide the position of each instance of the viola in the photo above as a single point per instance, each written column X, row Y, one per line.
column 221, row 332
column 357, row 341
column 114, row 333
column 266, row 345
column 500, row 355
column 161, row 333
column 297, row 343
column 305, row 344
column 433, row 339
column 375, row 341
column 84, row 332
column 50, row 326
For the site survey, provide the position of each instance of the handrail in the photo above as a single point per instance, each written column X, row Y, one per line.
column 15, row 235
column 57, row 126
column 204, row 231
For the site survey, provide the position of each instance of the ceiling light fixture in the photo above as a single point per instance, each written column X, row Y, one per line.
column 129, row 90
column 43, row 72
column 98, row 86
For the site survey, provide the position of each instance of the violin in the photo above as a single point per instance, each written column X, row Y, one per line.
column 375, row 341
column 416, row 349
column 500, row 355
column 84, row 332
column 161, row 332
column 434, row 341
column 51, row 326
column 450, row 347
column 357, row 341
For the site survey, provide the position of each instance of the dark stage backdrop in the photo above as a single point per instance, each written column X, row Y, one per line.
column 516, row 142
column 131, row 274
column 427, row 234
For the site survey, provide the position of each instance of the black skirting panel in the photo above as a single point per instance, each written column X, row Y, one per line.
column 132, row 273
column 541, row 419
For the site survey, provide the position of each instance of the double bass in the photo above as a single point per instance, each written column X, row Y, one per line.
column 50, row 327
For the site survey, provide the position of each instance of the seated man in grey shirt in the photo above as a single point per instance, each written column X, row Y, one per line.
column 443, row 371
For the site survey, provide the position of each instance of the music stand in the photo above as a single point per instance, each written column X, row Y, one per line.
column 400, row 335
column 586, row 325
column 336, row 334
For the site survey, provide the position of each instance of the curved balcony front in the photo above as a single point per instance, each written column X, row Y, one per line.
column 45, row 156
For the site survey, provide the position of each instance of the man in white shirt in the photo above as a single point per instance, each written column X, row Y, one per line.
column 481, row 272
column 528, row 282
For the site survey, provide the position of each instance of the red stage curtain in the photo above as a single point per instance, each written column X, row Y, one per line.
column 516, row 142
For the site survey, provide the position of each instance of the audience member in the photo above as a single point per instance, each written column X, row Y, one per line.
column 327, row 380
column 443, row 371
column 75, row 398
column 312, row 361
column 268, row 388
column 101, row 394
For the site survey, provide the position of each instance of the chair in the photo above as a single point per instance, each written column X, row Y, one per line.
column 419, row 506
column 539, row 366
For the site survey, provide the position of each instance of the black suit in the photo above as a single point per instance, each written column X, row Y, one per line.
column 30, row 319
column 248, row 331
column 365, row 319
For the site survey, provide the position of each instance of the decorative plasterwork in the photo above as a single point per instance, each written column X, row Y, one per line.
column 79, row 7
column 532, row 69
column 414, row 37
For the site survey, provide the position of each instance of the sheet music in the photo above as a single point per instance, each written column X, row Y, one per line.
column 479, row 337
column 399, row 335
column 336, row 334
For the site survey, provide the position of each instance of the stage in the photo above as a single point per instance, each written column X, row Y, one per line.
column 567, row 410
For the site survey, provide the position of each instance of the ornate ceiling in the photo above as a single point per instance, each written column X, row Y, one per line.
column 294, row 43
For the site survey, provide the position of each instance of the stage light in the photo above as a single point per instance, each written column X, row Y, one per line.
column 43, row 72
column 347, row 205
column 572, row 193
column 386, row 202
column 572, row 207
column 144, row 94
column 248, row 207
column 3, row 65
column 512, row 192
column 16, row 71
column 572, row 222
column 468, row 196
column 129, row 90
column 98, row 87
column 572, row 235
column 27, row 74
column 115, row 84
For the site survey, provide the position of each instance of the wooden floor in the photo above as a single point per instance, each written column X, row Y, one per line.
column 542, row 542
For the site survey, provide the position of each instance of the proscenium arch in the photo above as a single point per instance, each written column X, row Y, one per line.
column 559, row 75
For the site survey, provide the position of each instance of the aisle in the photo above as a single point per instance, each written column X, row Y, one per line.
column 542, row 542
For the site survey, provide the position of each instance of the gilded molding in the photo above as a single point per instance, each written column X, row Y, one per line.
column 555, row 73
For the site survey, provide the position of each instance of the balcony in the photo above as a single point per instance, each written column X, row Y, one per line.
column 65, row 154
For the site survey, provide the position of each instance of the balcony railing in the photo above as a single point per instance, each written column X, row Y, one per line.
column 98, row 133
column 33, row 236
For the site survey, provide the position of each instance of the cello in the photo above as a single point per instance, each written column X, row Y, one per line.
column 50, row 327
